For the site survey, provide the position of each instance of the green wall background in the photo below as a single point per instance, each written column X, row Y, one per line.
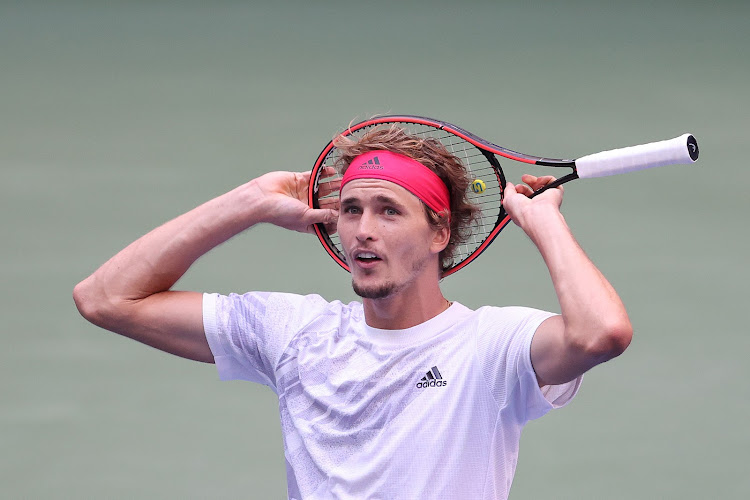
column 117, row 116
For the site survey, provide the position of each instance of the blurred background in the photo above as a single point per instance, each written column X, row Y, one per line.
column 118, row 116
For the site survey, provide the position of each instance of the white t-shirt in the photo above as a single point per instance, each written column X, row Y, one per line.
column 433, row 411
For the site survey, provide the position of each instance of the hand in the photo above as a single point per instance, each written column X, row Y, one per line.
column 284, row 197
column 521, row 208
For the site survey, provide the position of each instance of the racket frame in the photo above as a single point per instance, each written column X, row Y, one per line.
column 488, row 149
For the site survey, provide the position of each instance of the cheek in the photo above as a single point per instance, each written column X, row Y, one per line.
column 414, row 244
column 346, row 229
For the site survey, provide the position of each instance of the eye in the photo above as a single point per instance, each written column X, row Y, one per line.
column 350, row 209
column 391, row 212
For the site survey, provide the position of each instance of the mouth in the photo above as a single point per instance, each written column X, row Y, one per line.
column 366, row 258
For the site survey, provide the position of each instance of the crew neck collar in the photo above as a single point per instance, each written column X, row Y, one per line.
column 419, row 333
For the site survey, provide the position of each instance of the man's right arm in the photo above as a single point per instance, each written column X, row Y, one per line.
column 131, row 293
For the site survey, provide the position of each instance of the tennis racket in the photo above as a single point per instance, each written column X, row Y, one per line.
column 480, row 158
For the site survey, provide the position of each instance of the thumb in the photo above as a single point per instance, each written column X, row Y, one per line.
column 511, row 199
column 510, row 190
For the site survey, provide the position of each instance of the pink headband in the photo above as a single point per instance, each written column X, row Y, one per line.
column 404, row 171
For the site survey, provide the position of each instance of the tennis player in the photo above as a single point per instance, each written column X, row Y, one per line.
column 406, row 394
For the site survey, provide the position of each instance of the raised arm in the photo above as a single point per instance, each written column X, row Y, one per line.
column 594, row 326
column 131, row 293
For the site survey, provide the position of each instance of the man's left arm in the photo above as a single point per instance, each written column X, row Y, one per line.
column 594, row 326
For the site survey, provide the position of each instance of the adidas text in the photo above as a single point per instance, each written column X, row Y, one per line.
column 432, row 383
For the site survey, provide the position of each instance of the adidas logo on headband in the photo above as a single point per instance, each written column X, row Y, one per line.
column 404, row 171
column 373, row 164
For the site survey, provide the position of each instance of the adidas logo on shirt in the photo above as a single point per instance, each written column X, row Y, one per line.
column 432, row 379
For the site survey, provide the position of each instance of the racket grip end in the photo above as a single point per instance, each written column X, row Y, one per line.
column 680, row 150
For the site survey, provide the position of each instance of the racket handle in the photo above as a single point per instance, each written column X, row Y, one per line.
column 683, row 149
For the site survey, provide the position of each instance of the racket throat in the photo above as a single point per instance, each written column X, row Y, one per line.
column 557, row 182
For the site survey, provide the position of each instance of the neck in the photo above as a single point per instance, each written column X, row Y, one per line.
column 405, row 309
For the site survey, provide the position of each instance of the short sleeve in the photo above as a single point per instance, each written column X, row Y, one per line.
column 504, row 348
column 247, row 333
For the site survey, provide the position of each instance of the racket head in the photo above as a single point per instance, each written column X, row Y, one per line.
column 476, row 156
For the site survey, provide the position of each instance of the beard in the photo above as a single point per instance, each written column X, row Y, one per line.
column 375, row 292
column 389, row 287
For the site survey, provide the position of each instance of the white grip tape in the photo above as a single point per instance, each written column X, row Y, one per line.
column 620, row 161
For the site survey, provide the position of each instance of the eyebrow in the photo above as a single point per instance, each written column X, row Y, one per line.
column 381, row 198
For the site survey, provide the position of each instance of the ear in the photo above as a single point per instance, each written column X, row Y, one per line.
column 440, row 239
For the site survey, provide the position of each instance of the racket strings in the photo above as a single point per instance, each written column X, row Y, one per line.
column 488, row 198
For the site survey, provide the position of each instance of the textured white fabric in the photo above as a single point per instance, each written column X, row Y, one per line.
column 433, row 411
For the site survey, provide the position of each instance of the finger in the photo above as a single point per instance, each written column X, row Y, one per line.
column 533, row 180
column 329, row 186
column 330, row 203
column 329, row 172
column 546, row 179
column 510, row 192
column 325, row 173
column 528, row 178
column 331, row 228
column 319, row 216
column 512, row 203
column 524, row 190
column 537, row 183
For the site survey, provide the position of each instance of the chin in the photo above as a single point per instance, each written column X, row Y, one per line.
column 376, row 291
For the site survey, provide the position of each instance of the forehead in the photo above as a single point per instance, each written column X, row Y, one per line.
column 366, row 189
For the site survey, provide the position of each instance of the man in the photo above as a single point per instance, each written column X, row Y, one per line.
column 405, row 395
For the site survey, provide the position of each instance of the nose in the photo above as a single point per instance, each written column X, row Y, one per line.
column 366, row 226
